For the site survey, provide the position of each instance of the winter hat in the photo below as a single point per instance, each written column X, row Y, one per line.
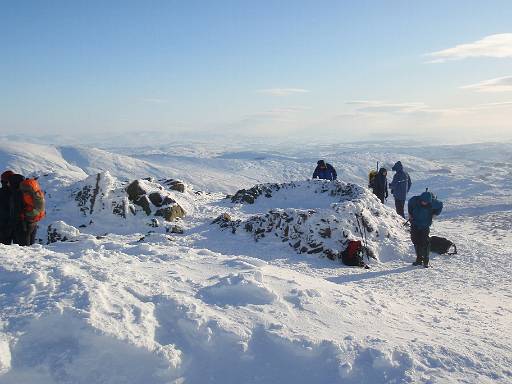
column 426, row 197
column 321, row 163
column 398, row 166
column 6, row 175
column 15, row 180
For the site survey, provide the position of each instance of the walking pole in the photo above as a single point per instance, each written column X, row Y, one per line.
column 363, row 234
column 365, row 239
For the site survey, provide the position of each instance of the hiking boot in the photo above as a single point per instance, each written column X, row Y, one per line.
column 418, row 261
column 425, row 262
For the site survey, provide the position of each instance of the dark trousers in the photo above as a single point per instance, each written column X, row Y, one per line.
column 399, row 206
column 25, row 233
column 380, row 196
column 5, row 235
column 421, row 240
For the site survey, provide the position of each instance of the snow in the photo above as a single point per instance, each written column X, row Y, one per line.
column 124, row 301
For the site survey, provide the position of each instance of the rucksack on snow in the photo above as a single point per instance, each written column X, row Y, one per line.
column 33, row 201
column 353, row 254
column 440, row 245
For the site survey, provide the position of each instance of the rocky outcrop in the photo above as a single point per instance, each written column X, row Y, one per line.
column 102, row 193
column 338, row 191
column 154, row 199
column 339, row 212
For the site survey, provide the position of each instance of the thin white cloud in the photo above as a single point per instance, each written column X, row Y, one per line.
column 370, row 108
column 498, row 46
column 373, row 106
column 499, row 104
column 282, row 91
column 500, row 84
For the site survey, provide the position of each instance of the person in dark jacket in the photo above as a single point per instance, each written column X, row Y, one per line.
column 325, row 171
column 400, row 186
column 24, row 232
column 5, row 201
column 421, row 210
column 380, row 185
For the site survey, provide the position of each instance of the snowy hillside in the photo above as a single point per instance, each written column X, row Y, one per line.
column 242, row 289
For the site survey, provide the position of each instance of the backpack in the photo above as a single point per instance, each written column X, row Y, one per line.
column 33, row 201
column 440, row 245
column 371, row 178
column 353, row 254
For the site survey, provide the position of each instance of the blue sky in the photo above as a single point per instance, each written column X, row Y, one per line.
column 257, row 68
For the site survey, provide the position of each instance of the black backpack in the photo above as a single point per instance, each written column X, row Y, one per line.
column 440, row 245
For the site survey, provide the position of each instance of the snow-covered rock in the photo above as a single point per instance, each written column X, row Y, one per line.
column 102, row 203
column 331, row 214
column 60, row 231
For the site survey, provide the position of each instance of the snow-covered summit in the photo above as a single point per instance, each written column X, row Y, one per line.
column 120, row 301
column 318, row 217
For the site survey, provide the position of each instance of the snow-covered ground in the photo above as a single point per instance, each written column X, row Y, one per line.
column 129, row 302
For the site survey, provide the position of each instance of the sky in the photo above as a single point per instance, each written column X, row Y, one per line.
column 327, row 70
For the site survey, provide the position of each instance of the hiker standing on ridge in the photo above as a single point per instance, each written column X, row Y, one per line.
column 400, row 185
column 421, row 210
column 26, row 208
column 324, row 171
column 5, row 199
column 380, row 185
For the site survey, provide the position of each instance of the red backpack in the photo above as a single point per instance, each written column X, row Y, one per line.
column 353, row 254
column 33, row 201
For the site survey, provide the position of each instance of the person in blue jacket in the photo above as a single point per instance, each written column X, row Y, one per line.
column 421, row 210
column 325, row 171
column 400, row 186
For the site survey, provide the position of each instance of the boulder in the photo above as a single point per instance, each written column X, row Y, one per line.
column 158, row 200
column 171, row 213
column 174, row 185
column 135, row 190
column 144, row 202
column 177, row 186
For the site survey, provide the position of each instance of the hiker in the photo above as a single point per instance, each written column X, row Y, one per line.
column 421, row 210
column 26, row 208
column 380, row 185
column 324, row 171
column 5, row 198
column 400, row 185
